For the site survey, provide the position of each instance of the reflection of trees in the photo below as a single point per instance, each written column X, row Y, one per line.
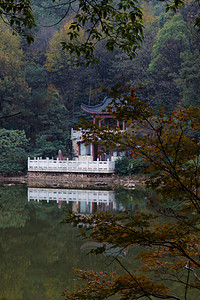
column 13, row 203
column 37, row 257
column 132, row 199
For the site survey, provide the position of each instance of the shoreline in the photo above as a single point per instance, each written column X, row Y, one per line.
column 42, row 179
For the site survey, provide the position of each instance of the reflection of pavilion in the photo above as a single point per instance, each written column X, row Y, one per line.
column 83, row 201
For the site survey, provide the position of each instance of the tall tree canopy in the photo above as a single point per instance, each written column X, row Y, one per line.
column 173, row 40
column 120, row 23
column 14, row 90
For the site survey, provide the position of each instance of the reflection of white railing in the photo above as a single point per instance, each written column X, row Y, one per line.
column 39, row 194
column 52, row 165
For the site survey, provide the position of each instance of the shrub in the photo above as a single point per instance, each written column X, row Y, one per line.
column 129, row 166
column 13, row 156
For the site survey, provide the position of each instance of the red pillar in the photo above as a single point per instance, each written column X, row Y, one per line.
column 79, row 149
column 93, row 151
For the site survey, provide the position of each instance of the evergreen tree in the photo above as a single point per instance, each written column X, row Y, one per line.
column 167, row 56
column 188, row 80
column 13, row 147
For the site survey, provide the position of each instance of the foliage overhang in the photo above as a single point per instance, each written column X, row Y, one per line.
column 169, row 235
column 119, row 23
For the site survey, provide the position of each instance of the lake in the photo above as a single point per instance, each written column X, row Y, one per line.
column 37, row 252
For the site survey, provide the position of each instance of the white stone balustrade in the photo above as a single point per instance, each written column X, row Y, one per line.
column 70, row 166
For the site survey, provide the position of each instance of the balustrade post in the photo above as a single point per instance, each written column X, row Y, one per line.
column 57, row 163
column 28, row 163
column 47, row 163
column 97, row 164
column 67, row 164
column 38, row 163
column 108, row 164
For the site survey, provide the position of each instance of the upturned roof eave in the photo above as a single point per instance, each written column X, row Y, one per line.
column 95, row 112
column 97, row 109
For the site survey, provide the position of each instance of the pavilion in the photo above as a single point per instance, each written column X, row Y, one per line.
column 92, row 152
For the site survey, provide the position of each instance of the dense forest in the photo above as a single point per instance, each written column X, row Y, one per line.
column 42, row 85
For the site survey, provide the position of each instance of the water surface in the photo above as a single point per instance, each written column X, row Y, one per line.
column 37, row 251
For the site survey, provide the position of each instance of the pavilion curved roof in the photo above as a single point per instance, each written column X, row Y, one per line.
column 97, row 109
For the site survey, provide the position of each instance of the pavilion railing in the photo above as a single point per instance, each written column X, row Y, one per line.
column 70, row 166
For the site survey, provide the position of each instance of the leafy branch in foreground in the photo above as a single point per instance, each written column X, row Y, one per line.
column 169, row 236
column 119, row 23
column 19, row 16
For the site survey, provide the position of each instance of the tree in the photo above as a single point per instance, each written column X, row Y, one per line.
column 13, row 146
column 62, row 68
column 19, row 16
column 188, row 80
column 135, row 72
column 14, row 90
column 169, row 246
column 53, row 131
column 125, row 166
column 119, row 23
column 173, row 40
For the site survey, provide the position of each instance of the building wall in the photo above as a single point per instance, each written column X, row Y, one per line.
column 74, row 148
